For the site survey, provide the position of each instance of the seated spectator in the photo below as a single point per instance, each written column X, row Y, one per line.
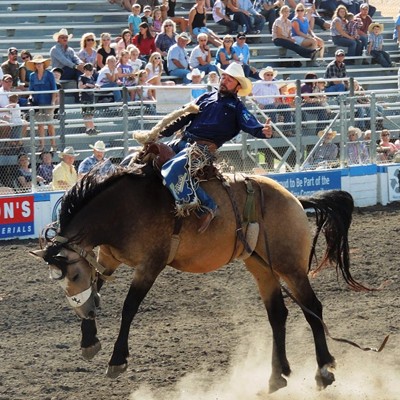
column 17, row 123
column 353, row 26
column 144, row 92
column 319, row 88
column 144, row 41
column 226, row 54
column 375, row 46
column 366, row 21
column 282, row 36
column 166, row 38
column 24, row 174
column 134, row 61
column 24, row 73
column 386, row 149
column 354, row 6
column 213, row 80
column 157, row 20
column 11, row 67
column 104, row 50
column 200, row 57
column 134, row 20
column 313, row 16
column 64, row 57
column 88, row 52
column 177, row 59
column 267, row 95
column 198, row 21
column 221, row 18
column 341, row 37
column 336, row 69
column 302, row 33
column 46, row 167
column 97, row 159
column 269, row 9
column 64, row 174
column 125, row 71
column 124, row 41
column 147, row 17
column 357, row 150
column 245, row 15
column 326, row 153
column 5, row 128
column 242, row 50
column 196, row 76
column 154, row 69
column 108, row 78
column 181, row 21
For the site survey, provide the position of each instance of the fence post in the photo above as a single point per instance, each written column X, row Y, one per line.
column 352, row 101
column 61, row 113
column 343, row 128
column 298, row 121
column 372, row 147
column 125, row 124
column 33, row 148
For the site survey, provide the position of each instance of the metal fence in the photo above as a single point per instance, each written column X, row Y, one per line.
column 301, row 126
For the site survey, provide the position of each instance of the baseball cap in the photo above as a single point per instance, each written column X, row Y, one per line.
column 12, row 50
column 146, row 8
column 7, row 77
column 241, row 35
column 339, row 52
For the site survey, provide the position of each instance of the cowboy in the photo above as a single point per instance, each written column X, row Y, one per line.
column 97, row 158
column 221, row 117
column 64, row 174
column 64, row 57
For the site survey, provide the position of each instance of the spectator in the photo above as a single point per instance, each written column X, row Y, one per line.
column 282, row 36
column 226, row 54
column 97, row 159
column 303, row 34
column 104, row 50
column 154, row 69
column 353, row 6
column 11, row 67
column 319, row 88
column 165, row 39
column 213, row 80
column 5, row 129
column 24, row 174
column 198, row 21
column 124, row 42
column 386, row 149
column 126, row 73
column 221, row 18
column 43, row 80
column 57, row 72
column 336, row 69
column 256, row 20
column 134, row 61
column 88, row 52
column 157, row 21
column 200, row 57
column 239, row 16
column 312, row 14
column 242, row 51
column 366, row 21
column 108, row 77
column 46, row 167
column 396, row 31
column 375, row 46
column 146, row 17
column 326, row 153
column 143, row 3
column 87, row 84
column 177, row 59
column 144, row 41
column 340, row 36
column 134, row 20
column 24, row 73
column 269, row 9
column 144, row 91
column 18, row 124
column 357, row 150
column 64, row 57
column 182, row 22
column 64, row 174
column 196, row 76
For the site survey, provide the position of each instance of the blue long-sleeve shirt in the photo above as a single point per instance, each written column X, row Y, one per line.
column 219, row 120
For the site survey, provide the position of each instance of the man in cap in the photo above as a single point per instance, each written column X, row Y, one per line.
column 242, row 50
column 64, row 57
column 64, row 174
column 222, row 115
column 97, row 158
column 177, row 58
column 11, row 66
column 336, row 69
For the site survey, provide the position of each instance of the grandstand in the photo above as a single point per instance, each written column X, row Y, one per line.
column 30, row 25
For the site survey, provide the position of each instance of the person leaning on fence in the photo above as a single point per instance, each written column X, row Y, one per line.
column 64, row 174
column 222, row 115
column 87, row 84
column 97, row 159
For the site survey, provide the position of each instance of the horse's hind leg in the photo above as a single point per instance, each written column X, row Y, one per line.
column 312, row 310
column 271, row 295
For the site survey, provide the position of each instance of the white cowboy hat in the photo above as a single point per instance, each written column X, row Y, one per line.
column 99, row 146
column 267, row 69
column 195, row 72
column 62, row 32
column 235, row 70
column 38, row 59
column 331, row 134
column 356, row 130
column 184, row 36
column 68, row 151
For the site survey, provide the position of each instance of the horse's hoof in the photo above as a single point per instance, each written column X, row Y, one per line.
column 277, row 383
column 89, row 352
column 325, row 376
column 114, row 371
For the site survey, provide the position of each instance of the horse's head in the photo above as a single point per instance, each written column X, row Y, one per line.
column 69, row 265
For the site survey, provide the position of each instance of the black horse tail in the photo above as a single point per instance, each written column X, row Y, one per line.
column 333, row 210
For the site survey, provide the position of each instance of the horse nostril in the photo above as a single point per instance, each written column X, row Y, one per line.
column 75, row 278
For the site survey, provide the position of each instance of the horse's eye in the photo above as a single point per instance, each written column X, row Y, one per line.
column 55, row 274
column 75, row 278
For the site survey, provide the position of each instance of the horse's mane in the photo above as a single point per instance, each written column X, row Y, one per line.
column 89, row 187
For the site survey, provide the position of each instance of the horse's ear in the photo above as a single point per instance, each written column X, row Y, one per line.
column 38, row 253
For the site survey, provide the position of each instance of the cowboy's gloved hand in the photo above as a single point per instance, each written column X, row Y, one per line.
column 267, row 130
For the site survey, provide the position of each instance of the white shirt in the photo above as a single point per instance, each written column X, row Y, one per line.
column 263, row 88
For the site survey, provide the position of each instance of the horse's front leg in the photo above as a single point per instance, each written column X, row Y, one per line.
column 143, row 280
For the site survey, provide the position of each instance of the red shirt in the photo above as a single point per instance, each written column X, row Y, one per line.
column 147, row 45
column 367, row 21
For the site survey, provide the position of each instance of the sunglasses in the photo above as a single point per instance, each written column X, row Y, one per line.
column 90, row 40
column 268, row 74
column 14, row 53
column 300, row 9
column 25, row 57
column 167, row 26
column 385, row 134
column 157, row 58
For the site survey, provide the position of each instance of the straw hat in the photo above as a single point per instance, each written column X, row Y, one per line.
column 99, row 146
column 353, row 129
column 268, row 69
column 374, row 25
column 184, row 36
column 235, row 70
column 331, row 134
column 68, row 151
column 62, row 32
column 195, row 72
column 38, row 59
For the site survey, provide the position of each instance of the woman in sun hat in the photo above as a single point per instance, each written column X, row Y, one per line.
column 43, row 80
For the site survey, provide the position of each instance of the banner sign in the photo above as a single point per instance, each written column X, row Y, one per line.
column 394, row 182
column 16, row 216
column 308, row 183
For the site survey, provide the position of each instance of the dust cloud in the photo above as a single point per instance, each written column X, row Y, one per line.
column 359, row 376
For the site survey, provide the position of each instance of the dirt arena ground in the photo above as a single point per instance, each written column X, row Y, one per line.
column 203, row 337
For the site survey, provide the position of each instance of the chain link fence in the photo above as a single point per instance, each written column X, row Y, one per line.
column 310, row 131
